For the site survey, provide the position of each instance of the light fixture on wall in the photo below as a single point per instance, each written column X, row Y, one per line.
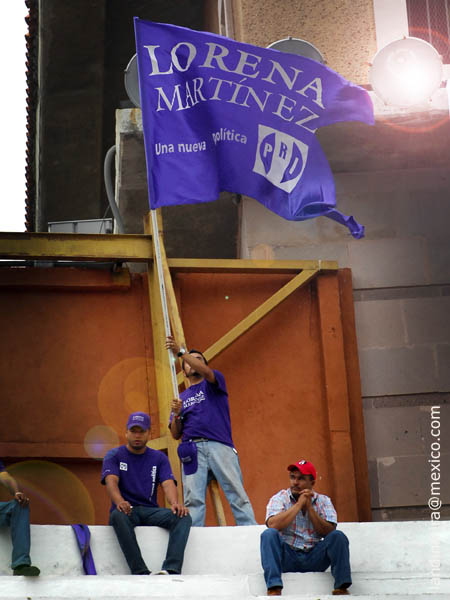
column 299, row 47
column 132, row 82
column 406, row 72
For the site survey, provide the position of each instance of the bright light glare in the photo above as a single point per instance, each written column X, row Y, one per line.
column 406, row 72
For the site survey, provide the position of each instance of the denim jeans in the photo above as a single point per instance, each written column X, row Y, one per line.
column 223, row 462
column 178, row 527
column 18, row 518
column 277, row 557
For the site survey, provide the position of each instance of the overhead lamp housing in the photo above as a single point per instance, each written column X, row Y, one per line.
column 299, row 47
column 406, row 72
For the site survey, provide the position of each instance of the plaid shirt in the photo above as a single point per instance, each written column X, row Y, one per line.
column 300, row 534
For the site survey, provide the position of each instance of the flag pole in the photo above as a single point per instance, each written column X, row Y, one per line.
column 162, row 291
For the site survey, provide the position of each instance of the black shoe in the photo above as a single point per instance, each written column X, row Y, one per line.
column 27, row 570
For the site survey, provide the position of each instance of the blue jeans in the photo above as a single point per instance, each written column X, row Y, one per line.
column 18, row 518
column 178, row 527
column 223, row 462
column 277, row 557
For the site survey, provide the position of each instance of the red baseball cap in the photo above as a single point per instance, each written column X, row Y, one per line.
column 305, row 468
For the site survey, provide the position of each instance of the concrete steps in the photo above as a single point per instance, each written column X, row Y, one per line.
column 296, row 586
column 397, row 561
column 189, row 587
column 206, row 587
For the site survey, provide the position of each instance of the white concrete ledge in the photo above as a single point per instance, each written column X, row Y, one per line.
column 203, row 587
column 386, row 558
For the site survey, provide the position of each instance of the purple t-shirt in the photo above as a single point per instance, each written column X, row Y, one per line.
column 2, row 467
column 206, row 412
column 139, row 474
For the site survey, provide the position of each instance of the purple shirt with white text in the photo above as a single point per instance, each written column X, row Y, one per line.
column 139, row 474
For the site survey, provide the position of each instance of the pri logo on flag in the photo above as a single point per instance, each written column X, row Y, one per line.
column 280, row 158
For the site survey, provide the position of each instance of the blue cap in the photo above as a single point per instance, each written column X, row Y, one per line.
column 187, row 451
column 139, row 419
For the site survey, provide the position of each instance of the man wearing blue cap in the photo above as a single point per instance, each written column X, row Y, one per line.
column 301, row 535
column 202, row 418
column 132, row 474
column 16, row 514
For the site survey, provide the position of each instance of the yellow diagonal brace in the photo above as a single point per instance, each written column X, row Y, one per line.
column 257, row 314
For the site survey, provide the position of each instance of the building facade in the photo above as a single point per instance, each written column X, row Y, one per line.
column 394, row 178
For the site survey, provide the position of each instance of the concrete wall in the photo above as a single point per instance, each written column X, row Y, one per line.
column 395, row 179
column 343, row 31
column 408, row 561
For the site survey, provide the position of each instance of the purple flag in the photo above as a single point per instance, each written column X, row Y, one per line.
column 220, row 115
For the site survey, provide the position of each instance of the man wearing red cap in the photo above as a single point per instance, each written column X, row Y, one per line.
column 301, row 535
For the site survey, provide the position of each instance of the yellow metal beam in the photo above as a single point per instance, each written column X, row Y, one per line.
column 217, row 503
column 257, row 314
column 159, row 444
column 232, row 265
column 68, row 246
column 81, row 280
column 134, row 248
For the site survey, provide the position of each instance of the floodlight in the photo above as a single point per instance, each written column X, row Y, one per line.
column 132, row 82
column 406, row 72
column 299, row 47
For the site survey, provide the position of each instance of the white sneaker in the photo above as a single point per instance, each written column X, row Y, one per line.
column 162, row 572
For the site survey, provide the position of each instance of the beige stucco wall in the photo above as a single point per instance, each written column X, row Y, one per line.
column 343, row 30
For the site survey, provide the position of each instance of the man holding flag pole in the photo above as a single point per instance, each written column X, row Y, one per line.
column 202, row 418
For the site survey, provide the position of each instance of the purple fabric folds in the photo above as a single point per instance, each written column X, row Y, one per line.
column 83, row 536
column 220, row 115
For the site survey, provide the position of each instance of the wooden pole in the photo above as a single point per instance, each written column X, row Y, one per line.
column 164, row 363
column 166, row 309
